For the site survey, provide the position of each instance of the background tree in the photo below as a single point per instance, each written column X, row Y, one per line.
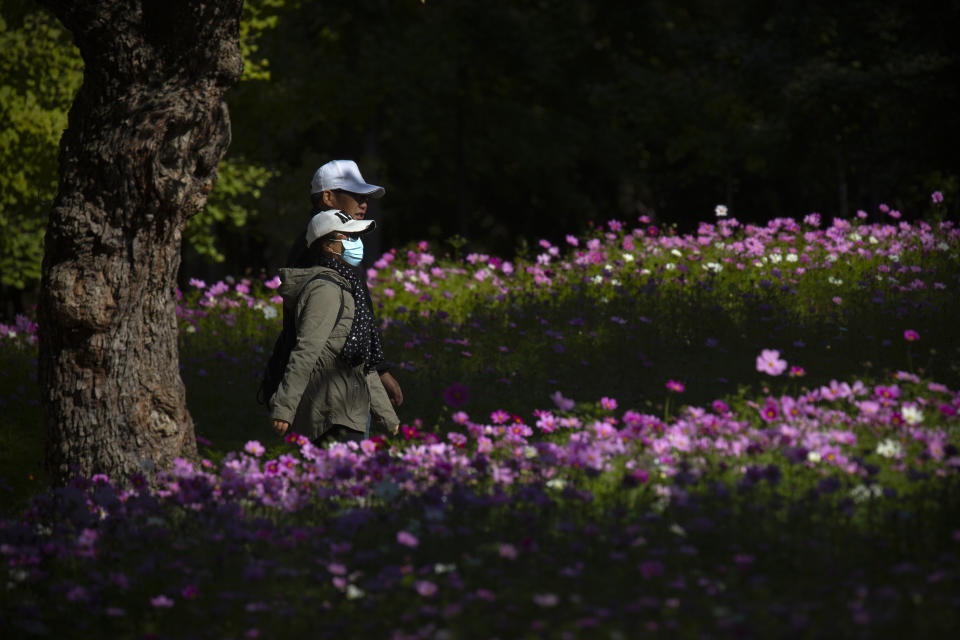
column 41, row 72
column 146, row 133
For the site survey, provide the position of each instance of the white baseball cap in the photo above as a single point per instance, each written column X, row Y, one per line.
column 343, row 174
column 331, row 220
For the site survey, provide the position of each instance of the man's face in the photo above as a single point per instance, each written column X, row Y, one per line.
column 352, row 204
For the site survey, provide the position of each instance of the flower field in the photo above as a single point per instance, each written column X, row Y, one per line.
column 746, row 431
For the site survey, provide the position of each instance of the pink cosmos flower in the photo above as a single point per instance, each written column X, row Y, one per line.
column 676, row 387
column 254, row 448
column 910, row 335
column 608, row 403
column 770, row 411
column 161, row 602
column 937, row 197
column 407, row 539
column 425, row 588
column 508, row 551
column 770, row 362
column 499, row 416
column 564, row 404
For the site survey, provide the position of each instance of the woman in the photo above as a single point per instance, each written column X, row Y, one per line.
column 330, row 384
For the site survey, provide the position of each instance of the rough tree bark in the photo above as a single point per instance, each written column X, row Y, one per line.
column 146, row 133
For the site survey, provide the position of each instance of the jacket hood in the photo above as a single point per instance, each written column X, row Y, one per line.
column 292, row 281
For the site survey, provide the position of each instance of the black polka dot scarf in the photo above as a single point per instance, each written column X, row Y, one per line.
column 364, row 344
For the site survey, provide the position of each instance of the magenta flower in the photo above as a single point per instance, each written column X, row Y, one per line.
column 499, row 416
column 272, row 283
column 425, row 588
column 608, row 403
column 910, row 335
column 456, row 395
column 937, row 197
column 676, row 387
column 797, row 372
column 770, row 362
column 770, row 411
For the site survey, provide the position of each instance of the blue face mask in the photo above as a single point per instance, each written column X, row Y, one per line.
column 352, row 251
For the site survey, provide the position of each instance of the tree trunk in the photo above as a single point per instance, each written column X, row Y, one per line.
column 146, row 133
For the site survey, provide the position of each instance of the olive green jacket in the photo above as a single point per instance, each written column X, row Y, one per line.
column 318, row 390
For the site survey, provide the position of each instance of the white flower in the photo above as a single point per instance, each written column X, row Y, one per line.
column 644, row 272
column 529, row 452
column 835, row 281
column 677, row 252
column 556, row 483
column 894, row 258
column 354, row 592
column 775, row 258
column 715, row 267
column 792, row 257
column 862, row 493
column 912, row 414
column 598, row 279
column 628, row 257
column 669, row 266
column 854, row 237
column 720, row 210
column 269, row 312
column 814, row 456
column 890, row 448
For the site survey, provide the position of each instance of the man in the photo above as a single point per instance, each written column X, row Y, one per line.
column 339, row 185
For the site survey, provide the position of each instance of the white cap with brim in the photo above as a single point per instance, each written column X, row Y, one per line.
column 345, row 175
column 326, row 222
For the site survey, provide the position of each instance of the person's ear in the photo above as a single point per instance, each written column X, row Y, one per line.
column 329, row 199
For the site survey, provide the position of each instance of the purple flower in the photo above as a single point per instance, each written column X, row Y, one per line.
column 937, row 197
column 770, row 362
column 425, row 588
column 546, row 599
column 456, row 395
column 910, row 335
column 608, row 403
column 651, row 569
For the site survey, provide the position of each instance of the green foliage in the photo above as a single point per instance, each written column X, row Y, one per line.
column 258, row 17
column 41, row 71
column 232, row 204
